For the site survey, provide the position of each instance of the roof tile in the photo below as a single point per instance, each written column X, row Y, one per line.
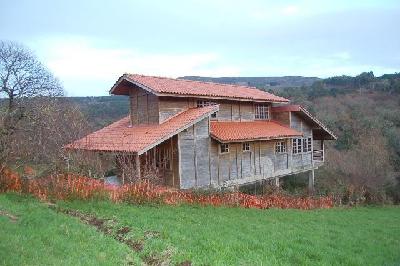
column 169, row 86
column 121, row 137
column 251, row 130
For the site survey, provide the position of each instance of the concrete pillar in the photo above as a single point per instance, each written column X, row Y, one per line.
column 137, row 165
column 277, row 181
column 311, row 180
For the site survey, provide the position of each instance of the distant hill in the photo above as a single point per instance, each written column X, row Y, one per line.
column 102, row 110
column 260, row 82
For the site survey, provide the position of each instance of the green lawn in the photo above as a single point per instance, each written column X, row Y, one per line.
column 201, row 235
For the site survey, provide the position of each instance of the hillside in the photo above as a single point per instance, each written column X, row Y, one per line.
column 122, row 234
column 260, row 82
column 103, row 110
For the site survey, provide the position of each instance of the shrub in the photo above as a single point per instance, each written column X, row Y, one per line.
column 69, row 186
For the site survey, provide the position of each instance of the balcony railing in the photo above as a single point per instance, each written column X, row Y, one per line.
column 318, row 155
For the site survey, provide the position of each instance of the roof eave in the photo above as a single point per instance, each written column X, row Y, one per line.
column 319, row 123
column 148, row 89
column 254, row 139
column 126, row 77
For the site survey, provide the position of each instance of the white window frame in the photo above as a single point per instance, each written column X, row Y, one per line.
column 261, row 112
column 307, row 144
column 246, row 147
column 281, row 146
column 297, row 145
column 224, row 148
column 301, row 145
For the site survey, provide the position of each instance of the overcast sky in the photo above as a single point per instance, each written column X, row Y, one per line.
column 89, row 44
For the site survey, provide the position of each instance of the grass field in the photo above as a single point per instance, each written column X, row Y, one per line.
column 200, row 235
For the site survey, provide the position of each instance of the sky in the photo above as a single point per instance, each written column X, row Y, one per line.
column 89, row 44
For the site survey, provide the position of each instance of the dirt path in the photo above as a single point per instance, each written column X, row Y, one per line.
column 12, row 218
column 112, row 227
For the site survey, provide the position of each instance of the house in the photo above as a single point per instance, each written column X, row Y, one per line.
column 201, row 134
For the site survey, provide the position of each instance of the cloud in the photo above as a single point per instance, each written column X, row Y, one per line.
column 290, row 10
column 79, row 59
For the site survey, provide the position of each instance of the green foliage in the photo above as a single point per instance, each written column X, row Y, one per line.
column 104, row 110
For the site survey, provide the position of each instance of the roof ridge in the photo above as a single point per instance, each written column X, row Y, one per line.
column 200, row 81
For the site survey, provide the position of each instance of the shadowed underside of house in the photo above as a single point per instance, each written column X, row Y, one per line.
column 200, row 134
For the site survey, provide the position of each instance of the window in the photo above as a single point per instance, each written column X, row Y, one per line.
column 302, row 145
column 246, row 146
column 306, row 144
column 261, row 112
column 280, row 147
column 297, row 144
column 224, row 148
column 203, row 103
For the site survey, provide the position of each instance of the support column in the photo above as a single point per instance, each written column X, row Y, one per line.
column 276, row 181
column 137, row 165
column 311, row 180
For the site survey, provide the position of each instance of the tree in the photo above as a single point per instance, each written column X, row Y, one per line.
column 22, row 76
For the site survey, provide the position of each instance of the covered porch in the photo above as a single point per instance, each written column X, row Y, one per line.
column 159, row 164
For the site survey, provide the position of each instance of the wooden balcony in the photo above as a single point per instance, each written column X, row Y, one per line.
column 318, row 155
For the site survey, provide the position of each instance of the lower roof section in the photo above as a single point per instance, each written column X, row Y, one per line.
column 250, row 131
column 122, row 137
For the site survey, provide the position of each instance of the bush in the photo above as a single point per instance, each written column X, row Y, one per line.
column 68, row 186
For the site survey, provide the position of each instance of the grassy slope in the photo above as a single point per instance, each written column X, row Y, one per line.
column 217, row 236
column 43, row 237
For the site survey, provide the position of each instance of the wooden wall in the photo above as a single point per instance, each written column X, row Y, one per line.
column 235, row 111
column 228, row 110
column 194, row 155
column 260, row 162
column 170, row 106
column 203, row 165
column 282, row 117
column 300, row 125
column 144, row 107
column 303, row 159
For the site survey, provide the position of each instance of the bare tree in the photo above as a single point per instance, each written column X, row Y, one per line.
column 22, row 76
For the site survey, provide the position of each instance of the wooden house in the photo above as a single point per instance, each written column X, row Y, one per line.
column 203, row 134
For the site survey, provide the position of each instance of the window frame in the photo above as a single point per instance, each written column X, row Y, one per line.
column 301, row 145
column 297, row 145
column 226, row 150
column 261, row 111
column 246, row 147
column 307, row 144
column 281, row 147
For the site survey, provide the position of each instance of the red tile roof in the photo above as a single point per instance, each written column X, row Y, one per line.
column 179, row 87
column 251, row 130
column 121, row 137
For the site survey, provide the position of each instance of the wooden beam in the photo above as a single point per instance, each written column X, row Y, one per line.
column 195, row 154
column 311, row 178
column 209, row 152
column 171, row 163
column 137, row 165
